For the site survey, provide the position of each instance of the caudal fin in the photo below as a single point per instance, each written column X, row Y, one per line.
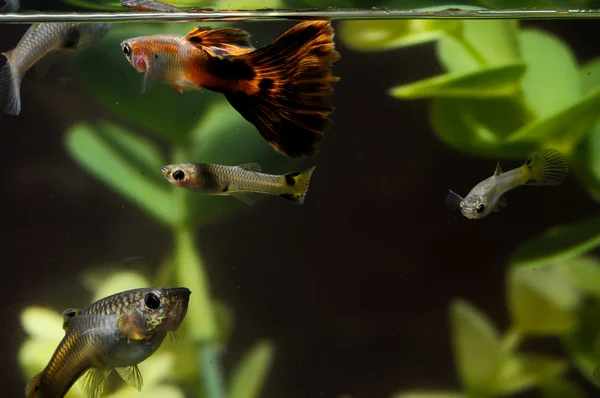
column 297, row 183
column 547, row 167
column 283, row 88
column 10, row 87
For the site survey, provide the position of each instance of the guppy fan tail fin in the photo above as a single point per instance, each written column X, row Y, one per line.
column 32, row 389
column 283, row 87
column 547, row 167
column 298, row 183
column 10, row 86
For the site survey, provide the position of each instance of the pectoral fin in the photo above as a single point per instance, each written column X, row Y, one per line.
column 132, row 376
column 501, row 203
column 93, row 381
column 453, row 200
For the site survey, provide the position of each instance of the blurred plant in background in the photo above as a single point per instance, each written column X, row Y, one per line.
column 191, row 127
column 508, row 92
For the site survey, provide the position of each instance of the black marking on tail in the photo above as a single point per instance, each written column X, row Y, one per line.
column 195, row 39
column 266, row 84
column 226, row 188
column 229, row 69
column 290, row 178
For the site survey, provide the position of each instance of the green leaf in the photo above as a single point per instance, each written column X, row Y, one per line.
column 559, row 387
column 522, row 372
column 502, row 81
column 551, row 83
column 541, row 301
column 564, row 129
column 584, row 161
column 126, row 164
column 584, row 273
column 559, row 243
column 479, row 126
column 224, row 320
column 476, row 345
column 430, row 394
column 116, row 85
column 249, row 375
column 589, row 76
column 387, row 34
column 189, row 270
column 480, row 44
column 583, row 345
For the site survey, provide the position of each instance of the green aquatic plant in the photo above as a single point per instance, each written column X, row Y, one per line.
column 507, row 92
column 126, row 154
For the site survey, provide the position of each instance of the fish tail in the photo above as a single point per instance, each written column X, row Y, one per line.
column 10, row 86
column 32, row 389
column 297, row 185
column 547, row 167
column 283, row 93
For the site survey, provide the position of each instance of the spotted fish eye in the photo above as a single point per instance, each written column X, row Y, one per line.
column 126, row 50
column 152, row 301
column 178, row 175
column 481, row 208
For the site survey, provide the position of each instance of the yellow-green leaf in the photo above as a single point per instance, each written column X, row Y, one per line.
column 541, row 301
column 250, row 373
column 430, row 394
column 522, row 372
column 476, row 345
column 493, row 82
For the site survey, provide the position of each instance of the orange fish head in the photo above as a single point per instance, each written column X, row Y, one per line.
column 134, row 52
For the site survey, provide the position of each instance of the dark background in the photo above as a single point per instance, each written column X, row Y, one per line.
column 353, row 287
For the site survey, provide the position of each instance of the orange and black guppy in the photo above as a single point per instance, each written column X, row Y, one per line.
column 279, row 88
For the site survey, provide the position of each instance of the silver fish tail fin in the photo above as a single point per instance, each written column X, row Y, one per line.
column 547, row 167
column 297, row 184
column 33, row 387
column 10, row 86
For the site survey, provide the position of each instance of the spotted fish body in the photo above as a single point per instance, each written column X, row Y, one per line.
column 117, row 332
column 36, row 43
column 214, row 179
column 547, row 167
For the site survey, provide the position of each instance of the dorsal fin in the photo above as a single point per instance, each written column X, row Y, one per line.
column 250, row 166
column 220, row 42
column 498, row 170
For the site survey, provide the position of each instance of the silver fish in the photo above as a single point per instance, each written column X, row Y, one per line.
column 39, row 41
column 238, row 181
column 547, row 167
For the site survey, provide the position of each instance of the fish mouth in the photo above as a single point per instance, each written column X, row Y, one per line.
column 165, row 171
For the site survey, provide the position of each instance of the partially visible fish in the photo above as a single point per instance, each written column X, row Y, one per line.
column 114, row 333
column 41, row 40
column 547, row 167
column 238, row 181
column 149, row 5
column 10, row 6
column 279, row 88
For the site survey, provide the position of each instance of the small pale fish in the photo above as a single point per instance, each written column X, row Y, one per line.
column 114, row 333
column 46, row 40
column 238, row 181
column 547, row 167
column 280, row 88
column 149, row 5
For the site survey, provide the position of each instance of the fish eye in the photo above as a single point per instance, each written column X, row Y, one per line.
column 480, row 208
column 178, row 175
column 127, row 50
column 152, row 301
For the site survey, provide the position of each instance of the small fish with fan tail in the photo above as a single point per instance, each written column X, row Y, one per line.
column 279, row 88
column 238, row 181
column 547, row 167
column 43, row 41
column 114, row 333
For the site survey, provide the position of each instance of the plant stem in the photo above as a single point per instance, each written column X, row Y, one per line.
column 201, row 324
column 459, row 36
column 511, row 341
